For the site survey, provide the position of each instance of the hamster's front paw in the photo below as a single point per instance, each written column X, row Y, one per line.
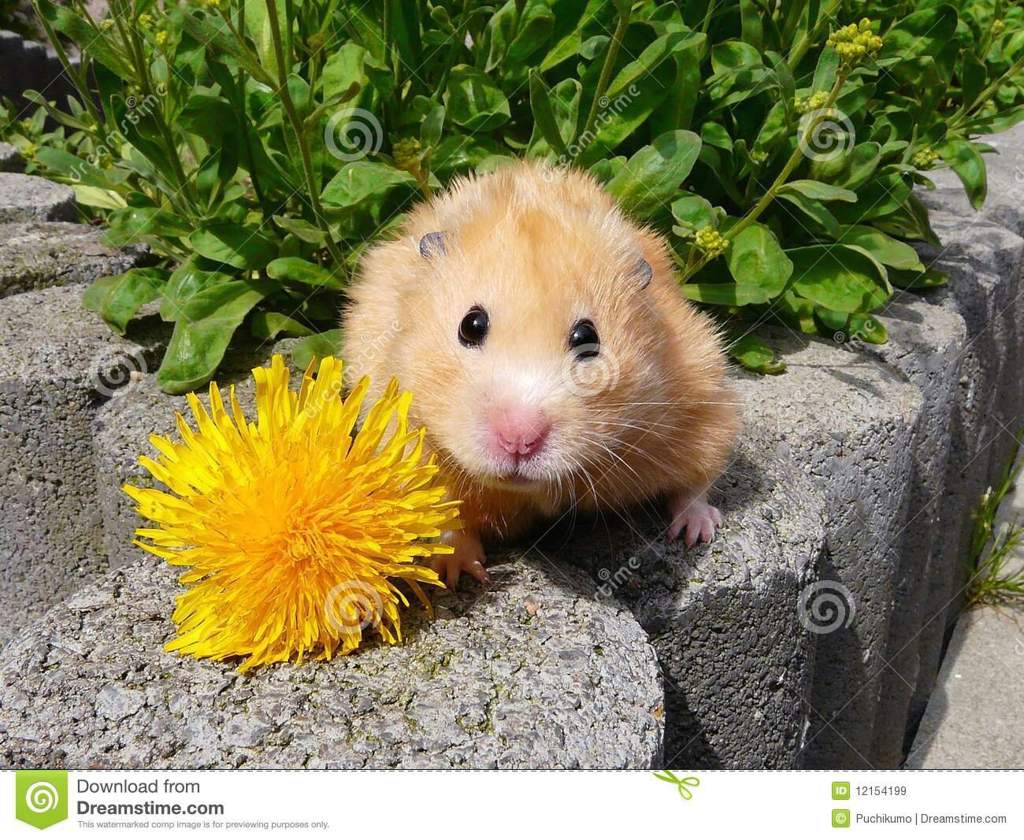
column 694, row 515
column 469, row 557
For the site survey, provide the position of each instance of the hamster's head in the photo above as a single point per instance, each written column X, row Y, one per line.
column 532, row 345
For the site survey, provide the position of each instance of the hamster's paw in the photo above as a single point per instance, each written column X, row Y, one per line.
column 693, row 515
column 469, row 557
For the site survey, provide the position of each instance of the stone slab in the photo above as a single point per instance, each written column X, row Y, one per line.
column 26, row 198
column 533, row 672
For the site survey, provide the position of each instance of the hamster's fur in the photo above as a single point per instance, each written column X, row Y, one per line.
column 524, row 424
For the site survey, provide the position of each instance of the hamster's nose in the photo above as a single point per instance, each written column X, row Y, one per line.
column 520, row 432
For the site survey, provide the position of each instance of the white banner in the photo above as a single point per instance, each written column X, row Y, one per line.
column 453, row 804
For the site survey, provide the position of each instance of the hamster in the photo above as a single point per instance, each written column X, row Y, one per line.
column 550, row 355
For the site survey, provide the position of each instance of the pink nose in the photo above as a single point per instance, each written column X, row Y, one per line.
column 520, row 432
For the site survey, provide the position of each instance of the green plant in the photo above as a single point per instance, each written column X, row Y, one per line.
column 259, row 146
column 995, row 551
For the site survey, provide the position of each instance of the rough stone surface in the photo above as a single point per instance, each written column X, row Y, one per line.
column 984, row 261
column 926, row 343
column 58, row 362
column 36, row 255
column 532, row 672
column 10, row 160
column 26, row 198
column 724, row 618
column 848, row 421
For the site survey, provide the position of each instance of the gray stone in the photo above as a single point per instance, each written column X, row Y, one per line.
column 531, row 672
column 36, row 255
column 58, row 362
column 10, row 159
column 983, row 260
column 737, row 662
column 926, row 343
column 26, row 198
column 848, row 421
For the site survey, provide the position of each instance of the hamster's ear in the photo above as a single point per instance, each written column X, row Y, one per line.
column 432, row 245
column 642, row 272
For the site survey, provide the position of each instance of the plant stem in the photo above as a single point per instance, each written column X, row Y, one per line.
column 300, row 134
column 788, row 168
column 801, row 47
column 982, row 98
column 606, row 70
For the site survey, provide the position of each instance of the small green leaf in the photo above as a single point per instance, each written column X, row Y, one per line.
column 363, row 181
column 269, row 325
column 819, row 191
column 317, row 346
column 117, row 298
column 202, row 333
column 837, row 278
column 299, row 270
column 882, row 247
column 184, row 284
column 240, row 246
column 754, row 355
column 758, row 265
column 653, row 175
column 693, row 211
column 474, row 101
column 965, row 161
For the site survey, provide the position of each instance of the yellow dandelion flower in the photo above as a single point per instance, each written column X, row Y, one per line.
column 295, row 527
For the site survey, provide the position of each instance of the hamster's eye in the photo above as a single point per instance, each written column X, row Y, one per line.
column 584, row 340
column 473, row 329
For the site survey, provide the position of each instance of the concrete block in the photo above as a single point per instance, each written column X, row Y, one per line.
column 58, row 362
column 36, row 255
column 26, row 198
column 724, row 618
column 533, row 672
column 848, row 421
column 926, row 343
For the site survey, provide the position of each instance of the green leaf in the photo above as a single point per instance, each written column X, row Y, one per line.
column 965, row 161
column 882, row 247
column 754, row 355
column 474, row 101
column 758, row 265
column 208, row 116
column 693, row 211
column 98, row 197
column 837, row 278
column 240, row 246
column 133, row 224
column 184, row 284
column 363, row 181
column 817, row 212
column 269, row 325
column 117, row 298
column 299, row 270
column 202, row 333
column 819, row 191
column 317, row 346
column 301, row 229
column 653, row 175
column 544, row 114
